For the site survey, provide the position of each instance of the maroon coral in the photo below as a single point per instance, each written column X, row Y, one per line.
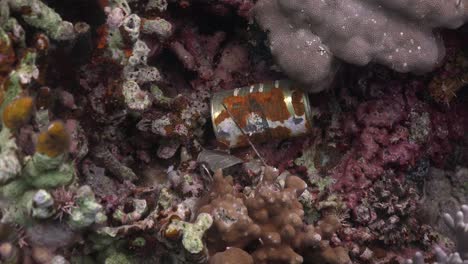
column 390, row 133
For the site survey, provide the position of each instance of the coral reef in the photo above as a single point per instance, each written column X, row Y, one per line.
column 108, row 154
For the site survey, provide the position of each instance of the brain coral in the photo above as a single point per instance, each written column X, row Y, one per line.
column 308, row 38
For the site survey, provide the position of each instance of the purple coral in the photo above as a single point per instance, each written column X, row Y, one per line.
column 390, row 133
column 308, row 38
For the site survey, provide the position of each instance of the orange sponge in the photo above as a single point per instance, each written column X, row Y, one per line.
column 54, row 141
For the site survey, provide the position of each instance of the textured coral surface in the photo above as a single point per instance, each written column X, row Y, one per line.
column 306, row 36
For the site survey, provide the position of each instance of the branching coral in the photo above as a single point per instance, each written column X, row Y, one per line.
column 139, row 208
column 39, row 15
column 121, row 56
column 459, row 227
column 183, row 123
column 307, row 37
column 121, row 42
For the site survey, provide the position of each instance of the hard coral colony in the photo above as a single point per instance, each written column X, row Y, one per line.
column 347, row 123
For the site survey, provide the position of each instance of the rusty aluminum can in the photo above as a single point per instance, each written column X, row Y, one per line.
column 266, row 111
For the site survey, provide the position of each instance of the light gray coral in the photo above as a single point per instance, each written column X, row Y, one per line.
column 308, row 37
column 88, row 211
column 42, row 205
column 160, row 5
column 442, row 258
column 23, row 75
column 135, row 98
column 159, row 27
column 125, row 29
column 9, row 163
column 25, row 72
column 45, row 18
column 42, row 171
column 131, row 26
column 59, row 260
column 459, row 226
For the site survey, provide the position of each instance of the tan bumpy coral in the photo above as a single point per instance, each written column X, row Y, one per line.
column 232, row 225
column 268, row 223
column 232, row 256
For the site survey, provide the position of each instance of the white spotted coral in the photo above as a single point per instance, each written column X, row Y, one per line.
column 309, row 37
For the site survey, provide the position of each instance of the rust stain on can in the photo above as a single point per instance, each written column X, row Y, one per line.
column 298, row 104
column 264, row 111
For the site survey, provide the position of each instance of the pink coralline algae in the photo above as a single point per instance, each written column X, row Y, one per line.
column 389, row 214
column 391, row 133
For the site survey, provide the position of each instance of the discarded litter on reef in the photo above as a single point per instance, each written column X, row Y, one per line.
column 260, row 112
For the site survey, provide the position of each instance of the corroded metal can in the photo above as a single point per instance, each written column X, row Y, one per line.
column 260, row 112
